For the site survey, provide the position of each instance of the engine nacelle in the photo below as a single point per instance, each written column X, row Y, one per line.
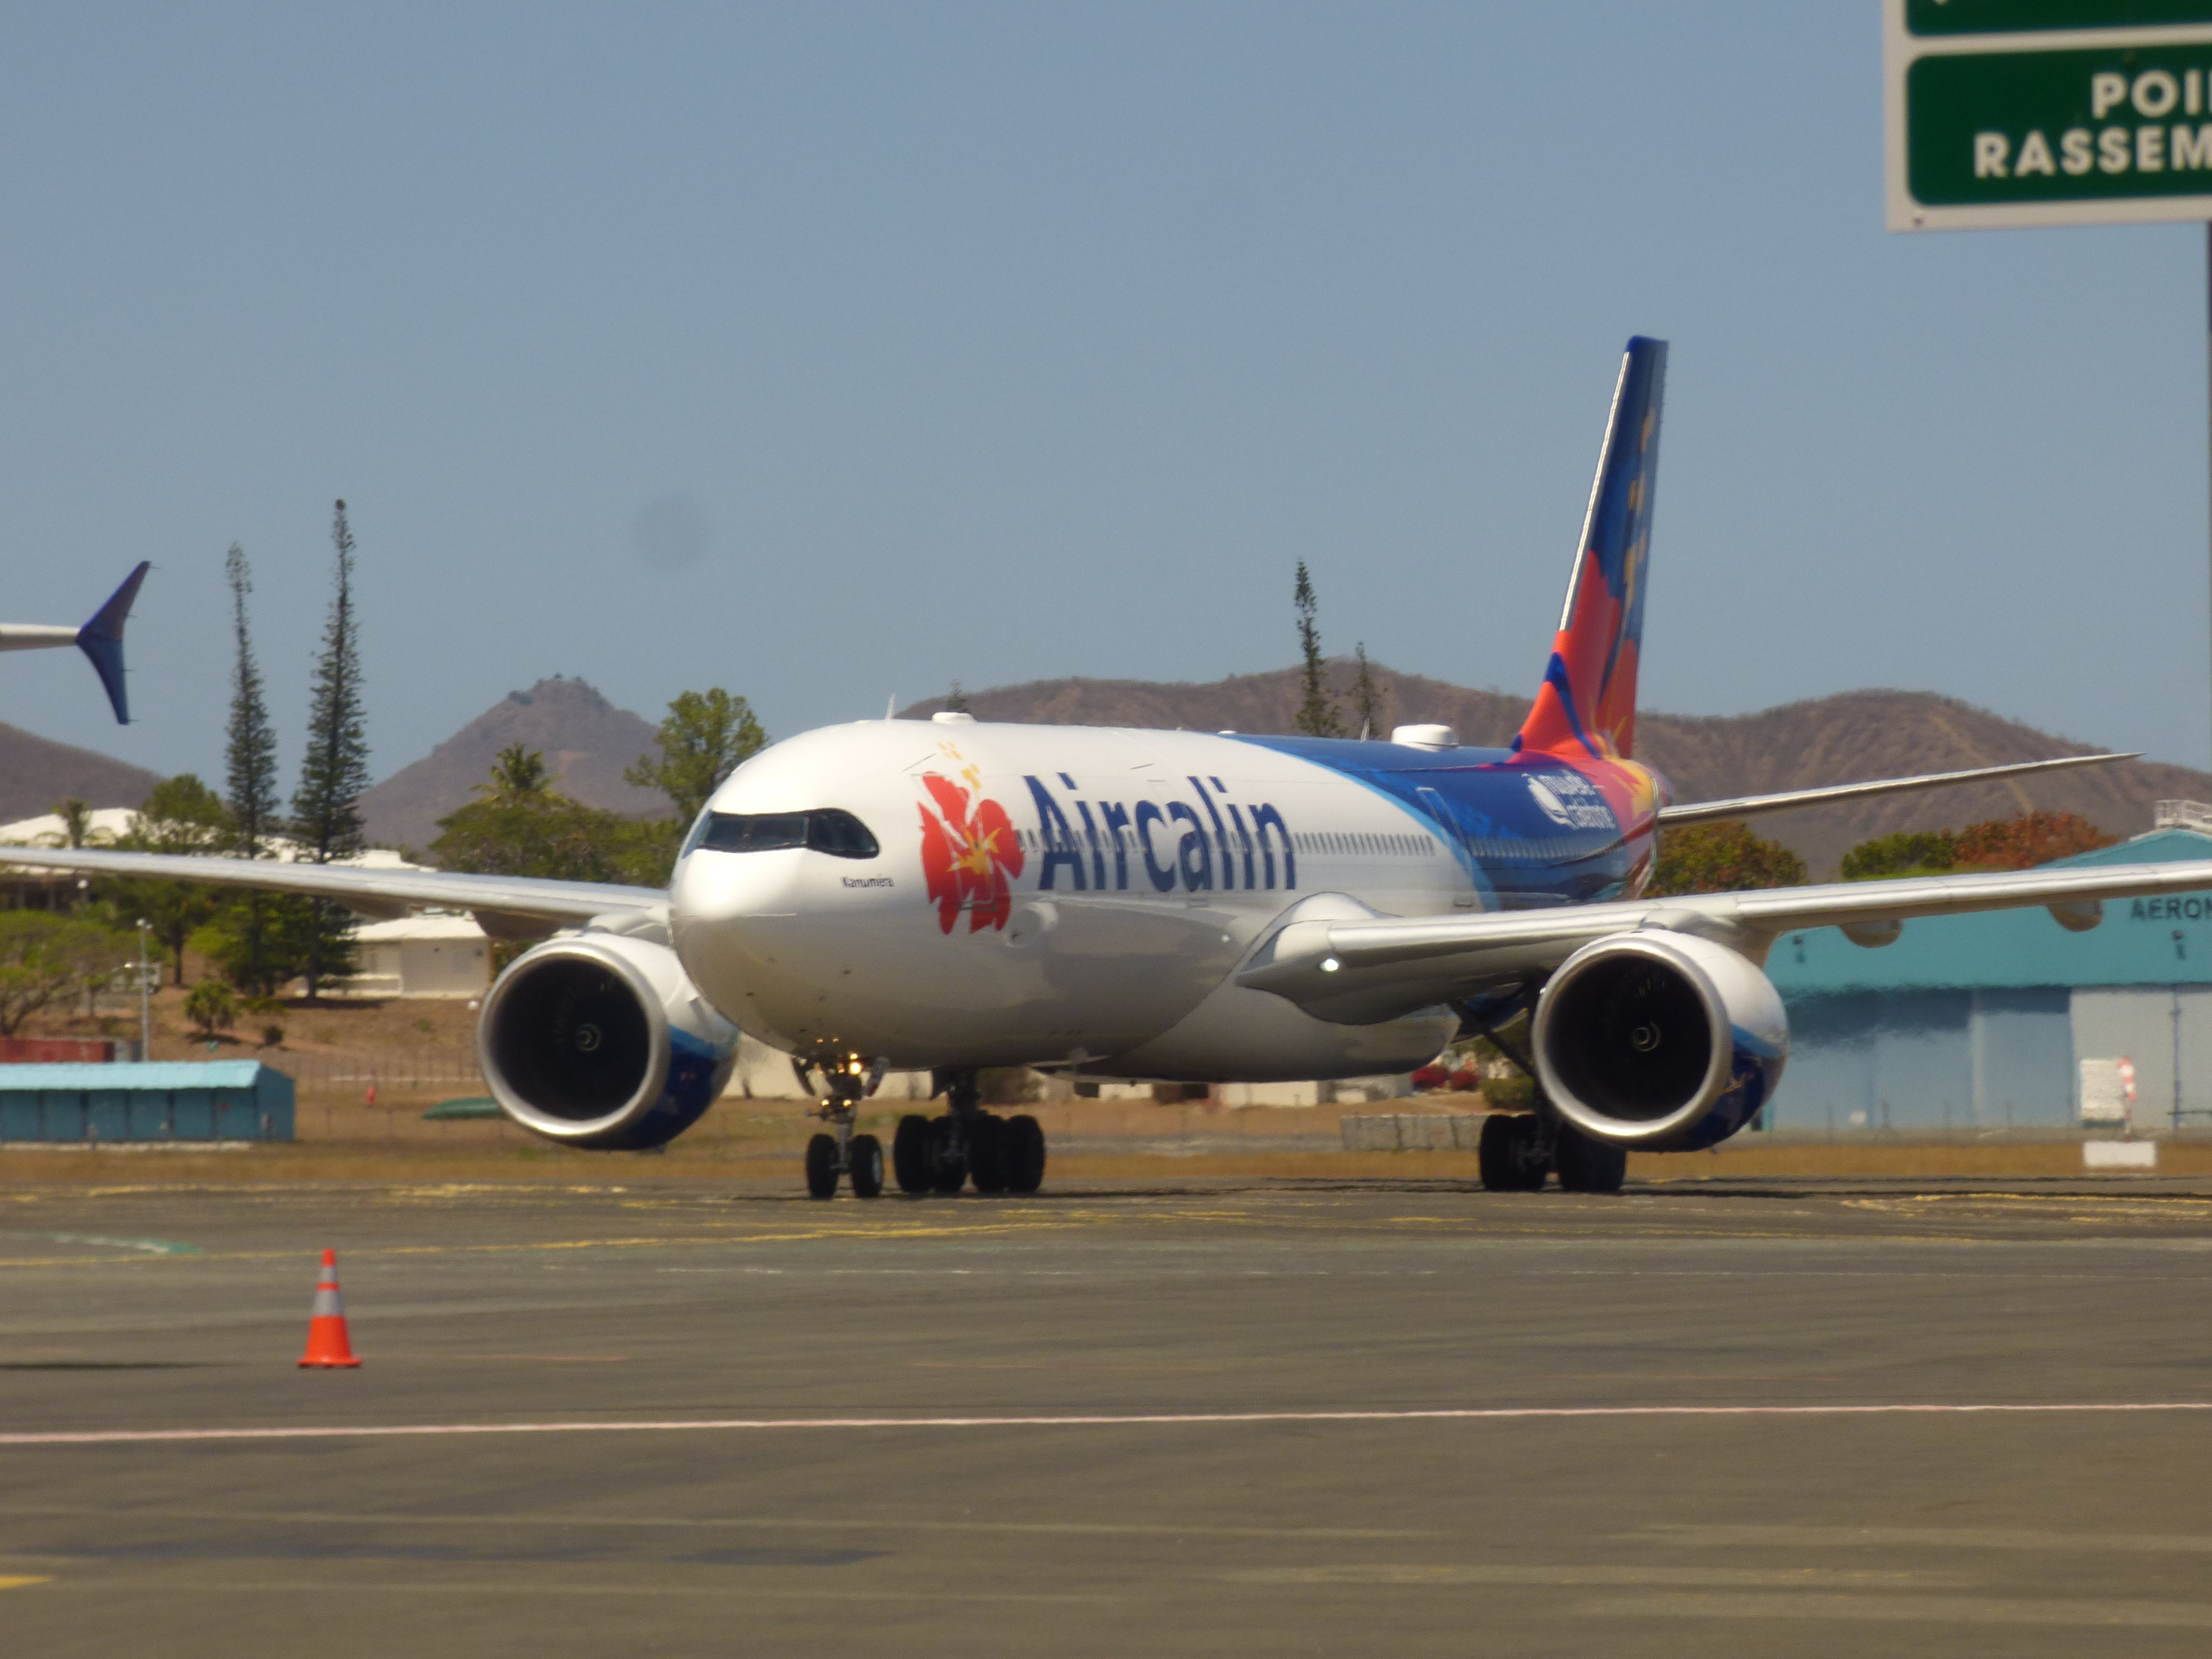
column 601, row 1040
column 1659, row 1040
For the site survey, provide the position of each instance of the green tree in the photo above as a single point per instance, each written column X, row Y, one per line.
column 1317, row 716
column 248, row 920
column 76, row 822
column 520, row 825
column 47, row 959
column 326, row 809
column 1366, row 695
column 519, row 778
column 1721, row 858
column 1908, row 853
column 211, row 1005
column 181, row 815
column 706, row 736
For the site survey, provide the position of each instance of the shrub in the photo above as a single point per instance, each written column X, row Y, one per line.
column 209, row 1005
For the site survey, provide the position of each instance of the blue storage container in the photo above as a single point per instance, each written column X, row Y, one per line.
column 165, row 1100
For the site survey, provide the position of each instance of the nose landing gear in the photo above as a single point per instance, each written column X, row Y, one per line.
column 942, row 1154
column 849, row 1080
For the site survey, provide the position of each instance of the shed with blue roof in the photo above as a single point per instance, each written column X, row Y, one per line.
column 1982, row 1020
column 157, row 1101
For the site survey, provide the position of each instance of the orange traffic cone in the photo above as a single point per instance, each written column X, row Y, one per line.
column 327, row 1346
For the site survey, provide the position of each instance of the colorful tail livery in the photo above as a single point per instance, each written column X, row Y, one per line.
column 1588, row 700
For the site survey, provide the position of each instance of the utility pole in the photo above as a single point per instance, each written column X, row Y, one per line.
column 145, row 998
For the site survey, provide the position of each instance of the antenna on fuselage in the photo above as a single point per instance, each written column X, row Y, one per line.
column 890, row 707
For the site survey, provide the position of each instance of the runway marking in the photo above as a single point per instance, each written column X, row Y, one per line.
column 718, row 1523
column 1907, row 1609
column 1971, row 1538
column 1515, row 1573
column 17, row 1581
column 1135, row 1419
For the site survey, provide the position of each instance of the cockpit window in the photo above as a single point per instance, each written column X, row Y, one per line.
column 825, row 829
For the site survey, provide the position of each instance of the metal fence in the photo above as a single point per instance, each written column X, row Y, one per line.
column 419, row 1068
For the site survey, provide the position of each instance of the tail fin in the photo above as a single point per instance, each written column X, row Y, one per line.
column 1588, row 699
column 101, row 639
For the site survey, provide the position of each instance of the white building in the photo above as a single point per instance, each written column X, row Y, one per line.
column 429, row 955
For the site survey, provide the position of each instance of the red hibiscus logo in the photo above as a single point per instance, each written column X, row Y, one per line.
column 966, row 855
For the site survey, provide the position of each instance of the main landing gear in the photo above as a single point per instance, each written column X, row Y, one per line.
column 942, row 1154
column 850, row 1080
column 1519, row 1149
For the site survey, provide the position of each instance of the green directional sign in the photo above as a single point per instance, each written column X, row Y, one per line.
column 2048, row 112
column 2029, row 16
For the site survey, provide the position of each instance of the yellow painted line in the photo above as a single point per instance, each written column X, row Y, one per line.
column 17, row 1581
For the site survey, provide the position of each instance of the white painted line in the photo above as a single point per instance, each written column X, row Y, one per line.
column 1155, row 1419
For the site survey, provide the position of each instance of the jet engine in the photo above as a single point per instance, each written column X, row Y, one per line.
column 1659, row 1040
column 599, row 1040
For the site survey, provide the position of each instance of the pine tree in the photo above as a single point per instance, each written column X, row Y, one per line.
column 1317, row 709
column 250, row 757
column 1366, row 695
column 326, row 810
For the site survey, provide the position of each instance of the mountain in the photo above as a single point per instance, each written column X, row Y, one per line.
column 1839, row 739
column 36, row 773
column 586, row 742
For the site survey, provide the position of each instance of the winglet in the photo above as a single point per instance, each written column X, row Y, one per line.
column 101, row 639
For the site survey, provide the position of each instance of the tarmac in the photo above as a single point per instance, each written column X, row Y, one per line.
column 1172, row 1416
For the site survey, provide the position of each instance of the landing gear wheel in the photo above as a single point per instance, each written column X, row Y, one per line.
column 948, row 1166
column 1507, row 1153
column 822, row 1167
column 867, row 1167
column 1587, row 1166
column 1021, row 1154
column 987, row 1150
column 910, row 1154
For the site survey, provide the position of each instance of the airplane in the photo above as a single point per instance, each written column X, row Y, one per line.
column 956, row 895
column 100, row 640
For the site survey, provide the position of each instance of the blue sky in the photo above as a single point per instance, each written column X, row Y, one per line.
column 828, row 353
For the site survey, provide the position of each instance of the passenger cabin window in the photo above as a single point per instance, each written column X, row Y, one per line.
column 825, row 829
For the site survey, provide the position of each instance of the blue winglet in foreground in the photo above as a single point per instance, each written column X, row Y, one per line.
column 101, row 639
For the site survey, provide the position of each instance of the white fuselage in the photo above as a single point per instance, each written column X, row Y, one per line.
column 1098, row 927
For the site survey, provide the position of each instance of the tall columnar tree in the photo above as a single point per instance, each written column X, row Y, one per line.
column 250, row 753
column 250, row 761
column 1317, row 707
column 326, row 810
column 1366, row 695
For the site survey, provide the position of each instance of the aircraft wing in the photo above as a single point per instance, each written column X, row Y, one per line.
column 1358, row 971
column 1744, row 806
column 508, row 907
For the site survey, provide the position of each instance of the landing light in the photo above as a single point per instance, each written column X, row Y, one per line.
column 1330, row 964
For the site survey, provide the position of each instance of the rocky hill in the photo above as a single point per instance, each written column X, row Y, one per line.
column 586, row 742
column 1838, row 739
column 36, row 773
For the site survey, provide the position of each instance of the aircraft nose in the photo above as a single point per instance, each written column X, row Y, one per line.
column 725, row 887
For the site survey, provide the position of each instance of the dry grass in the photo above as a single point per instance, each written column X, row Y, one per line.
column 768, row 1151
